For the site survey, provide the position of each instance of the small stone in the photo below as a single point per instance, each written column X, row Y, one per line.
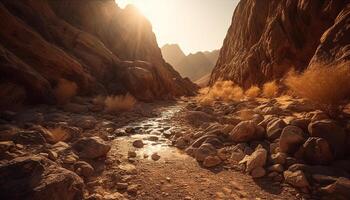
column 296, row 179
column 279, row 158
column 84, row 169
column 138, row 143
column 69, row 159
column 121, row 186
column 52, row 155
column 211, row 161
column 132, row 189
column 132, row 154
column 155, row 156
column 276, row 168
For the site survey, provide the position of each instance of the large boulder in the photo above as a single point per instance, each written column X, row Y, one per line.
column 257, row 159
column 245, row 132
column 333, row 133
column 274, row 129
column 38, row 178
column 291, row 138
column 91, row 148
column 317, row 151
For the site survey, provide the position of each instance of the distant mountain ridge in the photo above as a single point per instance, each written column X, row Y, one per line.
column 194, row 66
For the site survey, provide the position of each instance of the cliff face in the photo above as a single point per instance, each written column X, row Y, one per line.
column 95, row 44
column 268, row 38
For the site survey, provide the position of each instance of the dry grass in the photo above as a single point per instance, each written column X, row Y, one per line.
column 120, row 103
column 253, row 92
column 57, row 135
column 270, row 89
column 222, row 90
column 325, row 86
column 65, row 90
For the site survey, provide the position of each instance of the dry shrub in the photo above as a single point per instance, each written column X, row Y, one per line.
column 65, row 90
column 120, row 103
column 253, row 92
column 57, row 135
column 325, row 86
column 270, row 89
column 221, row 90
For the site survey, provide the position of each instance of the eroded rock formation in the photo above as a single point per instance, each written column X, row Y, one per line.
column 269, row 38
column 94, row 44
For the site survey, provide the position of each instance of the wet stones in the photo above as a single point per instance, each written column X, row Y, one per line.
column 138, row 144
column 91, row 148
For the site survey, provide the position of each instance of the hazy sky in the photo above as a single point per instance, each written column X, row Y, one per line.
column 196, row 25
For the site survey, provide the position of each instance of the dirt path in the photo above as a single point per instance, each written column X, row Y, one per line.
column 175, row 175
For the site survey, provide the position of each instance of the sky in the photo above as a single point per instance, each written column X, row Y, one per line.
column 196, row 25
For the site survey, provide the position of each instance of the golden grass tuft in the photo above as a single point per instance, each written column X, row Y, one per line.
column 120, row 103
column 323, row 85
column 222, row 90
column 270, row 89
column 253, row 92
column 65, row 91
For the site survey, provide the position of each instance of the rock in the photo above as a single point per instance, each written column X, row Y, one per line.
column 121, row 186
column 264, row 53
column 91, row 148
column 291, row 139
column 5, row 146
column 138, row 143
column 245, row 132
column 84, row 169
column 197, row 117
column 302, row 123
column 332, row 132
column 204, row 151
column 338, row 190
column 29, row 137
column 317, row 151
column 274, row 129
column 52, row 155
column 114, row 196
column 155, row 156
column 258, row 172
column 276, row 168
column 211, row 161
column 38, row 178
column 257, row 159
column 223, row 154
column 132, row 154
column 69, row 159
column 181, row 143
column 296, row 179
column 128, row 169
column 279, row 158
column 132, row 189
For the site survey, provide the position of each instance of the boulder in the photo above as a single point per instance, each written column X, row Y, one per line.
column 211, row 161
column 317, row 151
column 296, row 179
column 204, row 151
column 332, row 132
column 338, row 190
column 83, row 169
column 257, row 159
column 274, row 129
column 38, row 178
column 291, row 139
column 29, row 137
column 245, row 132
column 258, row 172
column 91, row 148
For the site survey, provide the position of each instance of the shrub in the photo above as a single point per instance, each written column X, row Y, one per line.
column 120, row 103
column 270, row 89
column 326, row 86
column 65, row 90
column 253, row 92
column 221, row 90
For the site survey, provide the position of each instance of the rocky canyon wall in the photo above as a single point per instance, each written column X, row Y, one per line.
column 268, row 38
column 94, row 44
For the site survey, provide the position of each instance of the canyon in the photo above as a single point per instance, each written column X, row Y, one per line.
column 91, row 108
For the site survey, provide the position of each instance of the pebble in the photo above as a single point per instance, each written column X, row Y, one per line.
column 138, row 143
column 155, row 156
